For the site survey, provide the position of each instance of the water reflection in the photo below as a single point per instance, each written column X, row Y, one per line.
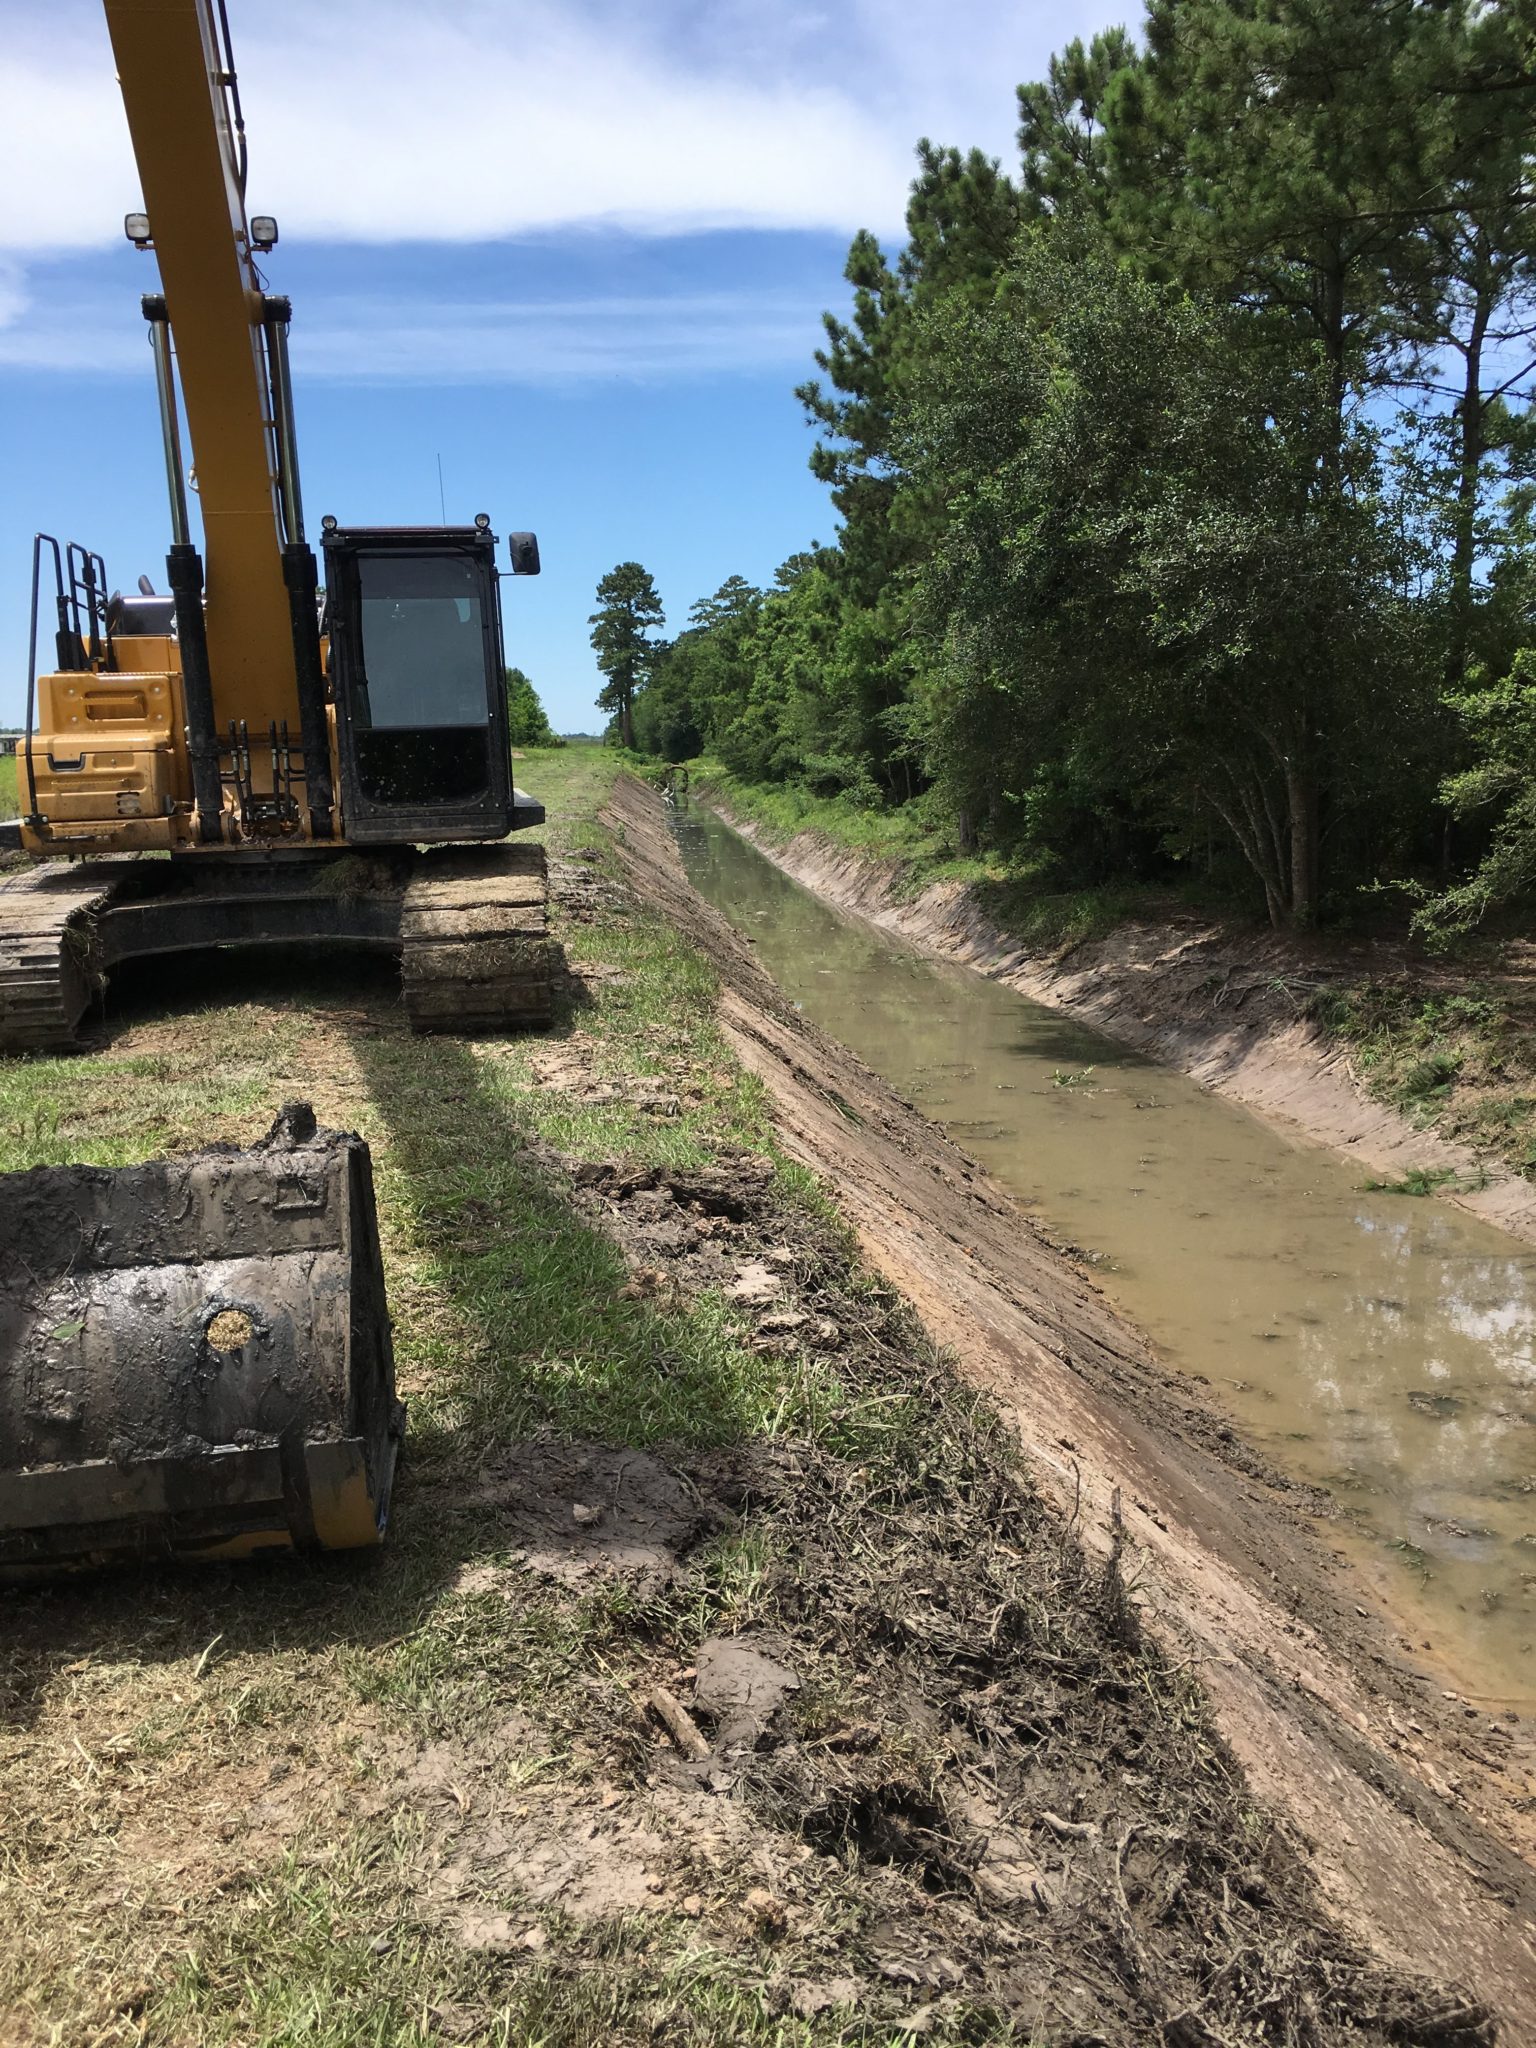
column 1382, row 1346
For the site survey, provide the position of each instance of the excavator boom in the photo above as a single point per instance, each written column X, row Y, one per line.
column 178, row 93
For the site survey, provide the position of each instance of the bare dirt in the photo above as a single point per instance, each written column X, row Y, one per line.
column 1411, row 1813
column 935, row 1767
column 1226, row 1007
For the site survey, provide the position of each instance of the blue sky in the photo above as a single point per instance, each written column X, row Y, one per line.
column 579, row 250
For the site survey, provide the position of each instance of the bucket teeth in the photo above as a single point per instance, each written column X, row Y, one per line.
column 195, row 1355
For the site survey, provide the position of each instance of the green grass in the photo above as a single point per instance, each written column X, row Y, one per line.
column 918, row 840
column 1456, row 1057
column 8, row 798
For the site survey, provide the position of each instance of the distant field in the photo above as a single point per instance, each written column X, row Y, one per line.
column 7, row 785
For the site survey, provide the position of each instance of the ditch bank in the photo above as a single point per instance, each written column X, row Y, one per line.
column 1410, row 1809
column 1227, row 1008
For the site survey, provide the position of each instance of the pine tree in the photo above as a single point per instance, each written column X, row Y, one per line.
column 1063, row 146
column 627, row 607
column 1274, row 151
column 1473, row 303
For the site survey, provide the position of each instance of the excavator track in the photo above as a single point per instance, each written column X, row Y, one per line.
column 469, row 924
column 475, row 954
column 50, row 970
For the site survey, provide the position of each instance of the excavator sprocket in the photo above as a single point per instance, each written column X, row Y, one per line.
column 194, row 1355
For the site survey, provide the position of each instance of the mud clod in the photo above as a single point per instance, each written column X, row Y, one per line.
column 740, row 1687
column 577, row 1513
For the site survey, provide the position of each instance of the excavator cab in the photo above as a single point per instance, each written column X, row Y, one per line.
column 417, row 676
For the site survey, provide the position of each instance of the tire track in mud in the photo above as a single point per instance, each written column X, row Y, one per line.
column 1353, row 1751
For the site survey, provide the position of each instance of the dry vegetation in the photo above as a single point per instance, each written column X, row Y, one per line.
column 723, row 1680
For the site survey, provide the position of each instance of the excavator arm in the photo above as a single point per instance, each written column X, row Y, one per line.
column 201, row 722
column 177, row 85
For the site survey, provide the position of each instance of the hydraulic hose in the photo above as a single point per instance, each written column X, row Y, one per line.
column 184, row 572
column 301, row 577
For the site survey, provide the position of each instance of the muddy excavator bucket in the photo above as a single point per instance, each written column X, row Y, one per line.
column 194, row 1355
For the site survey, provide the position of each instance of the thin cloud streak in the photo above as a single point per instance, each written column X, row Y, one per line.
column 550, row 343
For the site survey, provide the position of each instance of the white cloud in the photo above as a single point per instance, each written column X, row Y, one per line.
column 391, row 119
column 431, row 121
column 401, row 121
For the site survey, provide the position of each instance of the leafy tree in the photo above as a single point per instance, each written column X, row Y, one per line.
column 1208, row 629
column 1500, row 720
column 628, row 607
column 527, row 723
column 698, row 682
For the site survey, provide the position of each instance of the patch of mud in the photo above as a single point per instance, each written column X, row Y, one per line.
column 579, row 886
column 688, row 1226
column 505, row 1844
column 740, row 1683
column 567, row 1067
column 579, row 1512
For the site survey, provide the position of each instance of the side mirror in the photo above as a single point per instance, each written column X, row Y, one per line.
column 524, row 550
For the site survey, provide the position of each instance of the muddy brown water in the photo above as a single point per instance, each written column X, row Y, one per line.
column 1380, row 1346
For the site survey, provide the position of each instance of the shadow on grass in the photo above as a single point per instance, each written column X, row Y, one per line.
column 510, row 1324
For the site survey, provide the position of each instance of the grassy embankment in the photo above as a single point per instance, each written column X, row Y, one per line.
column 1018, row 900
column 1453, row 1052
column 307, row 1802
column 1451, row 1043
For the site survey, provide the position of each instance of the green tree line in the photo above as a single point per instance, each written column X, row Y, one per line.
column 1184, row 477
column 527, row 722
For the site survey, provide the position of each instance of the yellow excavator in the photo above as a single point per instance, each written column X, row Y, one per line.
column 234, row 724
column 195, row 1354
